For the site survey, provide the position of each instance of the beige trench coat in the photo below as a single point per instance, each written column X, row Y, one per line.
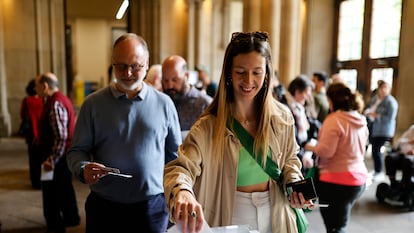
column 214, row 185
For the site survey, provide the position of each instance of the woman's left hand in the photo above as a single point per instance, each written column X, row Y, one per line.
column 48, row 164
column 298, row 201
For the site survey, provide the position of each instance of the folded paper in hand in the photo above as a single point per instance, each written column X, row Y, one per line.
column 46, row 175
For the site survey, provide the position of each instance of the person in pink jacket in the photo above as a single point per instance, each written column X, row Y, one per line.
column 340, row 151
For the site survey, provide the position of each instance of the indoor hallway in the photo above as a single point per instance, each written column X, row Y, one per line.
column 21, row 206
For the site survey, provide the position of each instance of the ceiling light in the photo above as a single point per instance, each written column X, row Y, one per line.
column 122, row 9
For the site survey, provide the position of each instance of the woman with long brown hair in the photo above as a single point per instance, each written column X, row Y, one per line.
column 219, row 175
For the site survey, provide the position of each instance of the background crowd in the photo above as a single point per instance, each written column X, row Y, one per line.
column 168, row 157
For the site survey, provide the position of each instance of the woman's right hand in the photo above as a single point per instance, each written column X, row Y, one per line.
column 188, row 213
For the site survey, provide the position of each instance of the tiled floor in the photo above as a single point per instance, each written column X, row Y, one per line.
column 21, row 206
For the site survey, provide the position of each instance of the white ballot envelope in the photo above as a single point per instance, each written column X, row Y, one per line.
column 46, row 175
column 177, row 229
column 226, row 229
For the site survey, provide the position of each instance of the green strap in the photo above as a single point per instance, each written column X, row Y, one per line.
column 247, row 140
column 271, row 169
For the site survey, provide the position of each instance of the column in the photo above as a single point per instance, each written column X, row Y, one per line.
column 49, row 25
column 405, row 80
column 144, row 19
column 290, row 41
column 271, row 15
column 252, row 15
column 57, row 42
column 5, row 124
column 191, row 35
column 265, row 15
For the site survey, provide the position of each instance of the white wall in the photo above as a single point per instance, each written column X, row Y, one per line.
column 91, row 47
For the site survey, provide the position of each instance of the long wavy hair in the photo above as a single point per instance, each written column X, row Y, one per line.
column 221, row 107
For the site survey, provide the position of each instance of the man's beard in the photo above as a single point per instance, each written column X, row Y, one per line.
column 174, row 94
column 132, row 87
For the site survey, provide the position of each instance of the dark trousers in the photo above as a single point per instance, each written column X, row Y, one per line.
column 35, row 164
column 60, row 208
column 149, row 216
column 377, row 143
column 396, row 161
column 341, row 199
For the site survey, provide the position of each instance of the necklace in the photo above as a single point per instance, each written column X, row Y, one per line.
column 247, row 122
column 244, row 120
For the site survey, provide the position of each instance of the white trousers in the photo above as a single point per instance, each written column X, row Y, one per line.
column 253, row 209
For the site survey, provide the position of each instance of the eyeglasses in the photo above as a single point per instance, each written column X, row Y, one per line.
column 237, row 36
column 120, row 67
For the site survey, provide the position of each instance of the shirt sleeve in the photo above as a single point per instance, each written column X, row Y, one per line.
column 328, row 139
column 59, row 121
column 173, row 139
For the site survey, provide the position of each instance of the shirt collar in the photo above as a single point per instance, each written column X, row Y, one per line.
column 118, row 94
column 192, row 92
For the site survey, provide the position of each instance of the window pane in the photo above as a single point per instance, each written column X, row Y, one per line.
column 351, row 20
column 384, row 74
column 385, row 29
column 349, row 76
